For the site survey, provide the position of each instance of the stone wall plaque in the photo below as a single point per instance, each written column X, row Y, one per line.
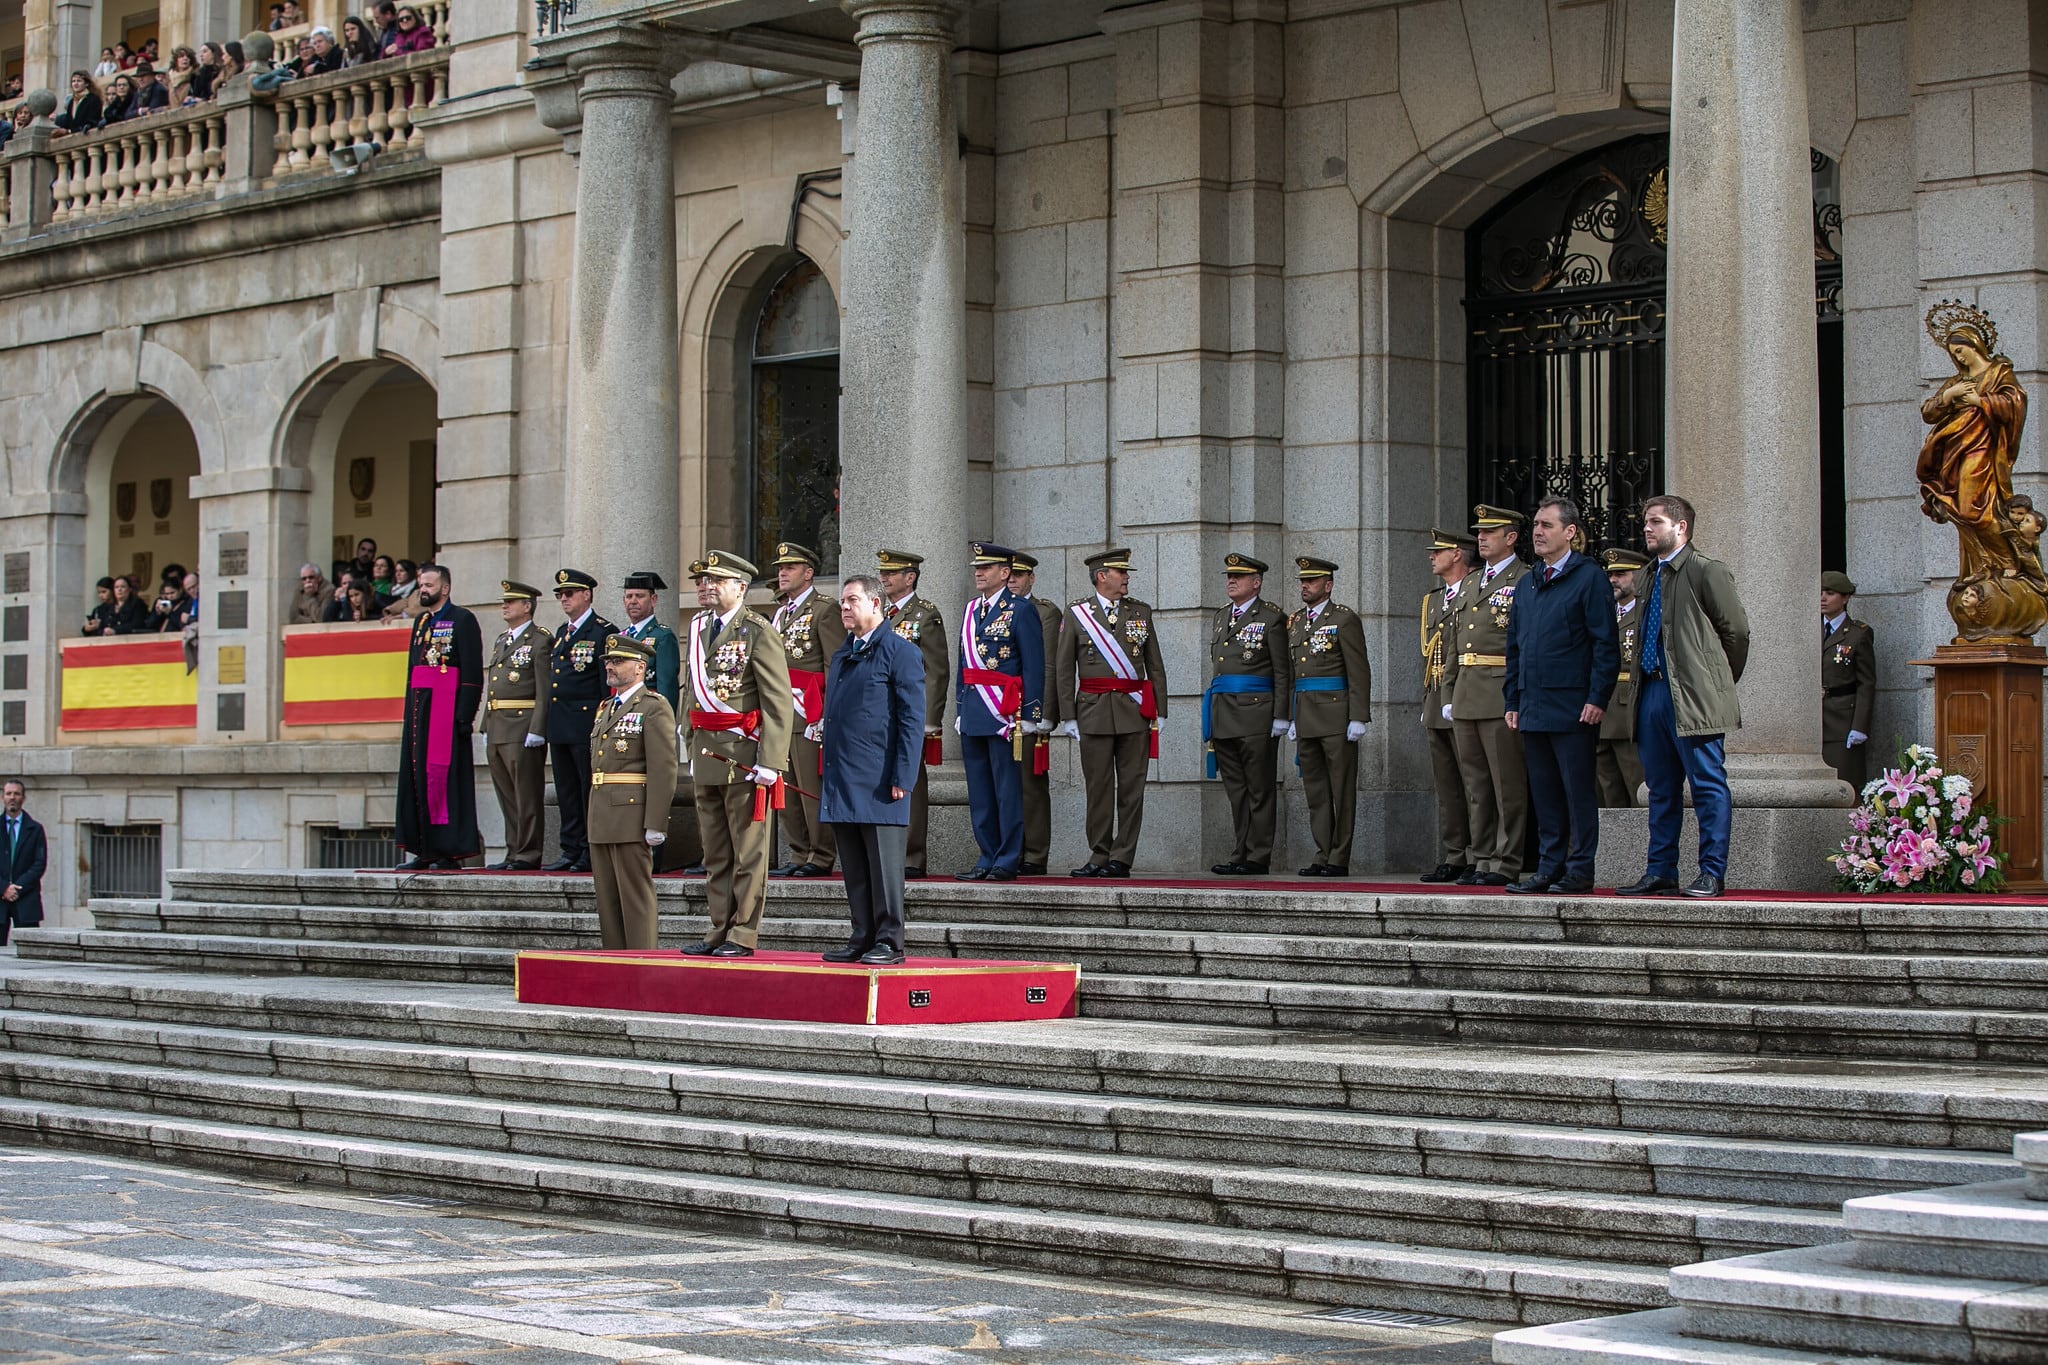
column 234, row 554
column 232, row 665
column 231, row 711
column 231, row 610
column 17, row 571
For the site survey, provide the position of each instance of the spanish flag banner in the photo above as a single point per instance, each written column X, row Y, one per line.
column 345, row 675
column 128, row 684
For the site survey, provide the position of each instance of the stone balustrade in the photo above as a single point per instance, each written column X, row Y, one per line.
column 434, row 13
column 148, row 161
column 370, row 104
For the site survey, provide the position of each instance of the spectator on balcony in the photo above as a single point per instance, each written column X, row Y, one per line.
column 366, row 559
column 84, row 110
column 294, row 15
column 150, row 94
column 325, row 53
column 310, row 606
column 148, row 53
column 120, row 103
column 124, row 57
column 276, row 19
column 131, row 613
column 206, row 74
column 403, row 602
column 385, row 16
column 358, row 44
column 100, row 620
column 414, row 33
column 233, row 62
column 108, row 65
column 383, row 575
column 178, row 80
column 170, row 613
column 361, row 604
column 13, row 91
column 18, row 117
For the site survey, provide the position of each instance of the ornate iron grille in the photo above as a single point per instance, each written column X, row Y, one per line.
column 348, row 849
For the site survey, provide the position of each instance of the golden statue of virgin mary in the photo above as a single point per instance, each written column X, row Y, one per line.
column 2000, row 594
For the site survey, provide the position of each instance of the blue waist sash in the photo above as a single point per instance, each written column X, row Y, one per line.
column 1228, row 684
column 1321, row 684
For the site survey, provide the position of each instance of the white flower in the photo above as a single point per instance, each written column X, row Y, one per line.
column 1872, row 787
column 1920, row 753
column 1954, row 786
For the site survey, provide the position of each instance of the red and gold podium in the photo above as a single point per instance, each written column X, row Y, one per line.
column 1987, row 727
column 798, row 987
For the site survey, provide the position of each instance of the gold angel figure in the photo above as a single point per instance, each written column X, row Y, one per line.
column 1965, row 471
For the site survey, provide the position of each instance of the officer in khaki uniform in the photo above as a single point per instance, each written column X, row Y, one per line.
column 1244, row 712
column 1331, row 706
column 1112, row 688
column 516, row 726
column 808, row 622
column 1037, row 780
column 633, row 768
column 1452, row 556
column 1617, row 769
column 917, row 620
column 1848, row 681
column 1489, row 753
column 736, row 686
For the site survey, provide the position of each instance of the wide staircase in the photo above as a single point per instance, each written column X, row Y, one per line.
column 1503, row 1109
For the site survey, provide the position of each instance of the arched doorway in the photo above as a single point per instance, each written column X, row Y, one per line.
column 1565, row 340
column 793, row 434
column 138, row 485
column 367, row 433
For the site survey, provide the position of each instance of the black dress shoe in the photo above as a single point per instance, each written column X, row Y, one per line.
column 847, row 954
column 1649, row 884
column 1312, row 870
column 498, row 867
column 1534, row 884
column 1332, row 870
column 732, row 950
column 812, row 870
column 1086, row 870
column 1571, row 886
column 1001, row 874
column 786, row 870
column 561, row 865
column 1251, row 869
column 972, row 874
column 1485, row 879
column 1446, row 872
column 414, row 865
column 1226, row 869
column 580, row 865
column 696, row 870
column 699, row 950
column 1470, row 876
column 1704, row 887
column 446, row 865
column 882, row 955
column 913, row 874
column 1031, row 869
column 519, row 867
column 1113, row 868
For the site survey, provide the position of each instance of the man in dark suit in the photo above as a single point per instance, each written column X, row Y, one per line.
column 1560, row 674
column 997, row 701
column 28, row 857
column 444, row 689
column 576, row 685
column 874, row 731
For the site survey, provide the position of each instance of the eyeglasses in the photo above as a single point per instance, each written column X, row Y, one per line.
column 405, row 19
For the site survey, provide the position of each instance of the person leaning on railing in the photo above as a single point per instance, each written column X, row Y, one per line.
column 358, row 42
column 85, row 109
column 414, row 33
column 120, row 103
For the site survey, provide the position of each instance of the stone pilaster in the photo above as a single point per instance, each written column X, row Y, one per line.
column 903, row 355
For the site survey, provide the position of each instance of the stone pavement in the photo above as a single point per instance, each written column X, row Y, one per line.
column 104, row 1259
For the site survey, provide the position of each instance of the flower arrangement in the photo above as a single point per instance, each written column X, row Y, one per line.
column 1919, row 828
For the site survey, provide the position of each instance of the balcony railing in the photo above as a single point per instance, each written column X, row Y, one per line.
column 153, row 160
column 370, row 104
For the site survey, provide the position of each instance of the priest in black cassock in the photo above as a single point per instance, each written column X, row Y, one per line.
column 444, row 687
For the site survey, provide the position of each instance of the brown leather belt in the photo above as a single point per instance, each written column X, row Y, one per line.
column 616, row 779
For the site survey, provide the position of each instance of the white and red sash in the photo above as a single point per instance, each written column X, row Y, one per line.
column 1004, row 698
column 708, row 702
column 1106, row 644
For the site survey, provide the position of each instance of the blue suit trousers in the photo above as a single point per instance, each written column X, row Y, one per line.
column 995, row 799
column 1565, row 791
column 1670, row 761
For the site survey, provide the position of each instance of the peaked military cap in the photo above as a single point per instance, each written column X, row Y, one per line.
column 1236, row 563
column 789, row 552
column 645, row 578
column 1440, row 539
column 696, row 568
column 1622, row 560
column 1834, row 580
column 726, row 564
column 988, row 552
column 1023, row 563
column 1308, row 566
column 517, row 592
column 1486, row 518
column 568, row 580
column 889, row 561
column 1119, row 558
column 626, row 647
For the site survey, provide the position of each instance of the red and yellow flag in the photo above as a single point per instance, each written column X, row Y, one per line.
column 134, row 683
column 346, row 675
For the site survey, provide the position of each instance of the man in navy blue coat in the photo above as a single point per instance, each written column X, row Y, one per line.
column 874, row 735
column 999, row 687
column 28, row 858
column 1562, row 662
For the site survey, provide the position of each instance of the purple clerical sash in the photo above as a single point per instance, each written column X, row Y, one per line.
column 442, row 684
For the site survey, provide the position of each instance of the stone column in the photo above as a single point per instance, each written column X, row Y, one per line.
column 1742, row 421
column 620, row 466
column 903, row 443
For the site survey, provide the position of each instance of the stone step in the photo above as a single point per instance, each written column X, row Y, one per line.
column 1968, row 927
column 1442, row 1014
column 1720, row 974
column 1655, row 1337
column 1861, row 1102
column 1443, row 1214
column 1610, row 1161
column 2031, row 1151
column 1990, row 1230
column 1474, row 1284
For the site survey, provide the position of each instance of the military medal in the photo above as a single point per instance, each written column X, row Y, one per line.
column 512, row 677
column 620, row 746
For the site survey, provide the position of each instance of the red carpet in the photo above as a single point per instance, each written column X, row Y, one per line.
column 798, row 986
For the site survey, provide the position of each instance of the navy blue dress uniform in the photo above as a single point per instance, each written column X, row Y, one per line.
column 576, row 687
column 437, row 772
column 666, row 675
column 27, row 850
column 998, row 692
column 874, row 742
column 1561, row 658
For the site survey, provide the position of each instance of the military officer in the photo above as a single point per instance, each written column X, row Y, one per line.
column 917, row 620
column 1848, row 681
column 642, row 595
column 516, row 726
column 575, row 687
column 1037, row 777
column 1490, row 753
column 1112, row 689
column 736, row 684
column 1331, row 704
column 1452, row 556
column 811, row 631
column 706, row 595
column 1244, row 711
column 633, row 769
column 1616, row 767
column 1002, row 674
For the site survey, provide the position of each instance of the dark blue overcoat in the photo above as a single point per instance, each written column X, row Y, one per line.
column 874, row 730
column 1561, row 654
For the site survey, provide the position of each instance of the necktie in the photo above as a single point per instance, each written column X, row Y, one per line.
column 1653, row 624
column 711, row 632
column 1550, row 574
column 1827, row 630
column 13, row 837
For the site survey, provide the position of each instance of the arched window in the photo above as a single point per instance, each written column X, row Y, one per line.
column 796, row 417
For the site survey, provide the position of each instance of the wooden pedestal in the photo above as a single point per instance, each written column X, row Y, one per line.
column 1987, row 726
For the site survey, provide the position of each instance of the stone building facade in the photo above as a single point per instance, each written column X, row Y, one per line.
column 1189, row 275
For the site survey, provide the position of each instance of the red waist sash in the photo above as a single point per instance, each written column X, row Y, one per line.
column 1012, row 687
column 1141, row 688
column 748, row 723
column 811, row 687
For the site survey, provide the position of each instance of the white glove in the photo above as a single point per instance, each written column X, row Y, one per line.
column 536, row 741
column 956, row 725
column 655, row 838
column 1282, row 728
column 1856, row 737
column 815, row 732
column 1447, row 711
column 1354, row 732
column 1042, row 727
column 765, row 776
column 1290, row 730
column 1070, row 729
